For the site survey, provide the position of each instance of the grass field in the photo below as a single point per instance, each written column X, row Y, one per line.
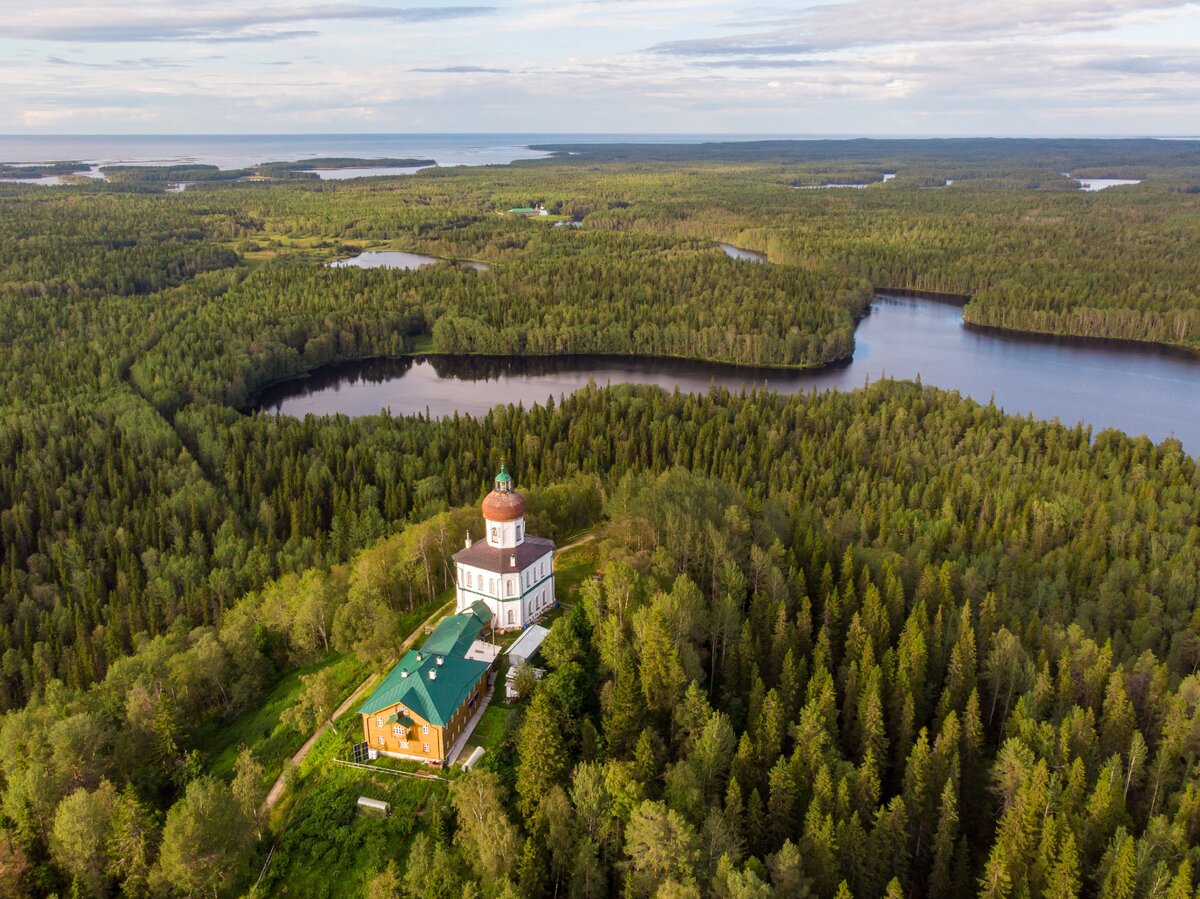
column 329, row 850
column 572, row 567
column 492, row 728
column 260, row 729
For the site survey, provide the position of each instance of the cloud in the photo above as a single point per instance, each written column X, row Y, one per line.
column 750, row 62
column 872, row 23
column 89, row 25
column 146, row 62
column 1146, row 65
column 461, row 69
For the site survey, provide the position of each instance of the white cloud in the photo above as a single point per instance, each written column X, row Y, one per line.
column 203, row 21
column 868, row 23
column 869, row 66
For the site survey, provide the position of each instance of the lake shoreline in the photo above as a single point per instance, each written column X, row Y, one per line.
column 256, row 402
column 1091, row 341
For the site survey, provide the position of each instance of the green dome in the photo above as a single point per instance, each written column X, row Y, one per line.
column 504, row 481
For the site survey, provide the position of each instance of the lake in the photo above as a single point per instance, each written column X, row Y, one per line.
column 395, row 259
column 364, row 172
column 1102, row 183
column 738, row 253
column 1140, row 390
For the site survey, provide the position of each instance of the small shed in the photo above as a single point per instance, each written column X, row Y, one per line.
column 376, row 807
column 527, row 644
column 474, row 758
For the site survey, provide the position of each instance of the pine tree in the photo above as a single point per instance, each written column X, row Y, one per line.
column 944, row 840
column 542, row 752
column 1121, row 880
column 1064, row 876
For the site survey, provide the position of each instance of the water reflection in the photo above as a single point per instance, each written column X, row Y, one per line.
column 399, row 260
column 1140, row 390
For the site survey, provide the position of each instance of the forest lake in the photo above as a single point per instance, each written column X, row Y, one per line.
column 1136, row 389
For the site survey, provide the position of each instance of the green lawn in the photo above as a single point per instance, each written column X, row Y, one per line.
column 259, row 728
column 327, row 849
column 492, row 727
column 573, row 567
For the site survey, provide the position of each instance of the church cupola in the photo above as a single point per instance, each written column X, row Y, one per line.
column 503, row 480
column 504, row 513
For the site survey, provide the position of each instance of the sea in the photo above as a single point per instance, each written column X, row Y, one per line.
column 232, row 151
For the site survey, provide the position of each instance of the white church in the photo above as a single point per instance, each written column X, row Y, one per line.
column 511, row 572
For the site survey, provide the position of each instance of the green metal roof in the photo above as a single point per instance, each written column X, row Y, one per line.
column 504, row 475
column 454, row 635
column 433, row 698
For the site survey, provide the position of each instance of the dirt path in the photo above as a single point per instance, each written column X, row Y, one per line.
column 277, row 788
column 576, row 542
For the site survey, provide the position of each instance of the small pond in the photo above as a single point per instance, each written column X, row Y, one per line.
column 400, row 260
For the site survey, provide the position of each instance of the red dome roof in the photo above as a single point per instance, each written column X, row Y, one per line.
column 507, row 506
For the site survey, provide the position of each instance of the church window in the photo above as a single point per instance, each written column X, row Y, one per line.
column 495, row 535
column 510, row 616
column 511, row 588
column 491, row 585
column 468, row 579
column 518, row 532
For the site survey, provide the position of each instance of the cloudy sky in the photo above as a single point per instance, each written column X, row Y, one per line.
column 904, row 67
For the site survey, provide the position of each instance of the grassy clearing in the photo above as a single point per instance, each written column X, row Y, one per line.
column 493, row 727
column 572, row 567
column 259, row 728
column 327, row 849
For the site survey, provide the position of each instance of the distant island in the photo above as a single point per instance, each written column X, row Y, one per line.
column 41, row 170
column 131, row 174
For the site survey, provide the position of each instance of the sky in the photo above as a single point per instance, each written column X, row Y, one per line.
column 858, row 67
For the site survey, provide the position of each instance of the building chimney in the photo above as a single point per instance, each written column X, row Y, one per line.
column 512, row 560
column 440, row 660
column 468, row 541
column 433, row 674
column 404, row 674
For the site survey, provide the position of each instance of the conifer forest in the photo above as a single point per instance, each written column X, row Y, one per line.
column 887, row 642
